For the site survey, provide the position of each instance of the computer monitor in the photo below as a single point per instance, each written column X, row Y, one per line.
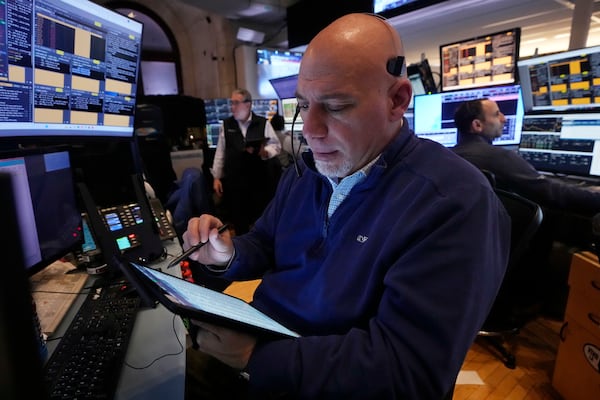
column 480, row 61
column 212, row 133
column 265, row 107
column 285, row 86
column 564, row 81
column 434, row 113
column 421, row 78
column 21, row 349
column 217, row 110
column 289, row 110
column 562, row 143
column 47, row 211
column 70, row 70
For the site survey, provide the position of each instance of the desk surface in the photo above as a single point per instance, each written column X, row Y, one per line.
column 155, row 362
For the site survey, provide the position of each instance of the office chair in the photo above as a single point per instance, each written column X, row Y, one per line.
column 506, row 317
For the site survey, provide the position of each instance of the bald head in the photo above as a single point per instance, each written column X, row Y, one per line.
column 355, row 44
column 351, row 106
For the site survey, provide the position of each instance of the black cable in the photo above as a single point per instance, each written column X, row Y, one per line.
column 294, row 155
column 182, row 348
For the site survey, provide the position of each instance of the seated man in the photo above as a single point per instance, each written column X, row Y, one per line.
column 384, row 252
column 479, row 122
column 541, row 281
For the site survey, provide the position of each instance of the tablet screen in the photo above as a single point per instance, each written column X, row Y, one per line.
column 194, row 296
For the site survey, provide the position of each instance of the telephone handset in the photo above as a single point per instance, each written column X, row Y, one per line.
column 165, row 228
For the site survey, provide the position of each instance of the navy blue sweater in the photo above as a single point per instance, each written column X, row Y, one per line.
column 389, row 293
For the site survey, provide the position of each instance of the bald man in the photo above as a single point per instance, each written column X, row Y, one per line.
column 384, row 252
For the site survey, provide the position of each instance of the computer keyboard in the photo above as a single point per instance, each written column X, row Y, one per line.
column 88, row 360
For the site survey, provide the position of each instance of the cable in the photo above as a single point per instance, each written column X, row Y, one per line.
column 294, row 155
column 182, row 348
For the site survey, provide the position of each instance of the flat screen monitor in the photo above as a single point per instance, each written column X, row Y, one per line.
column 217, row 110
column 212, row 133
column 421, row 77
column 562, row 143
column 562, row 81
column 265, row 107
column 285, row 86
column 47, row 211
column 289, row 110
column 70, row 69
column 434, row 113
column 480, row 61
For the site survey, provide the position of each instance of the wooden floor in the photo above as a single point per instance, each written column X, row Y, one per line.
column 535, row 348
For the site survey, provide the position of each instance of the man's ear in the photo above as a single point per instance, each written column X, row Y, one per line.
column 400, row 94
column 476, row 125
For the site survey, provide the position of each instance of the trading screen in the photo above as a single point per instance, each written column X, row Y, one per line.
column 562, row 81
column 481, row 61
column 66, row 69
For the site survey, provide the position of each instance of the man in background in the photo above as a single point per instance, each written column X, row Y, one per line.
column 541, row 282
column 245, row 168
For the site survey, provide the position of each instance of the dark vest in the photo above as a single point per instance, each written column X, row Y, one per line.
column 237, row 160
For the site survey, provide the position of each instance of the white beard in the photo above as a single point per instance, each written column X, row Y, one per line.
column 332, row 170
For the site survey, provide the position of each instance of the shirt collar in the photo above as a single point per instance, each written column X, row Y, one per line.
column 356, row 176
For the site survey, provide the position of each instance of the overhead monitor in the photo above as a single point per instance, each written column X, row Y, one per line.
column 562, row 143
column 47, row 212
column 391, row 8
column 434, row 113
column 70, row 70
column 480, row 61
column 562, row 81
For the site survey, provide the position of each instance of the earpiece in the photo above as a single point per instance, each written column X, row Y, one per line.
column 395, row 65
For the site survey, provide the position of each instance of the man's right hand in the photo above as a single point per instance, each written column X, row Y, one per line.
column 218, row 250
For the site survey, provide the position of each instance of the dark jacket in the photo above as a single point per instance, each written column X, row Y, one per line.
column 389, row 293
column 514, row 173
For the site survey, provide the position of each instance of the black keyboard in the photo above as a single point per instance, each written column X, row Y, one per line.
column 87, row 362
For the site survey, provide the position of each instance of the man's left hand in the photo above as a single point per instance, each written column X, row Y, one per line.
column 231, row 347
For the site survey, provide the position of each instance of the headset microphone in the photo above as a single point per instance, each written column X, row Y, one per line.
column 296, row 166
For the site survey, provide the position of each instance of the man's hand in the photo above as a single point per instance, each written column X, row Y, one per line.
column 219, row 249
column 231, row 347
column 218, row 187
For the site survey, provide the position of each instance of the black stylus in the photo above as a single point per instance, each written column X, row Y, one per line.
column 192, row 249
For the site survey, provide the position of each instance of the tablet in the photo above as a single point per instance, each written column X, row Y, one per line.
column 200, row 303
